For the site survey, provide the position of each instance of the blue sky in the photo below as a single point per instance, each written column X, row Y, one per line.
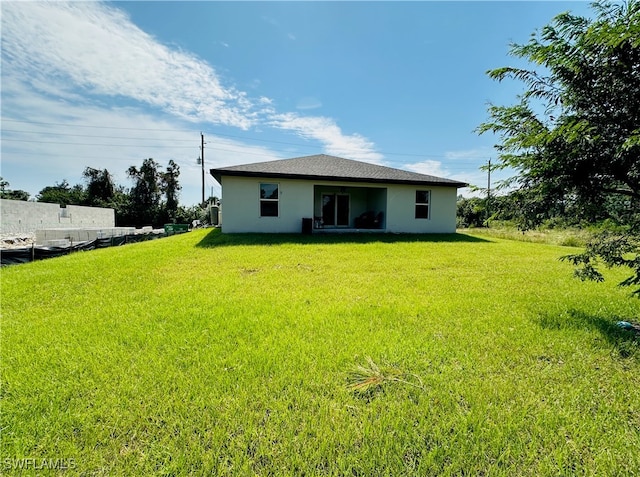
column 401, row 84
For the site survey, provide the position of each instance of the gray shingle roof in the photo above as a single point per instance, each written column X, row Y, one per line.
column 331, row 168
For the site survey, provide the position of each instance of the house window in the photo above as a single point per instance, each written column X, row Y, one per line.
column 268, row 200
column 422, row 204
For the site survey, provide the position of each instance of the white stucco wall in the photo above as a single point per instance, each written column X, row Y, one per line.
column 241, row 206
column 401, row 210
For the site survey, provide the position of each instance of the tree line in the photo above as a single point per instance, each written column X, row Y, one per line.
column 613, row 212
column 152, row 200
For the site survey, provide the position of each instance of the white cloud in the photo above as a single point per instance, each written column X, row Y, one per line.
column 308, row 102
column 475, row 154
column 468, row 164
column 86, row 64
column 44, row 148
column 74, row 50
column 429, row 167
column 437, row 168
column 63, row 47
column 326, row 131
column 460, row 165
column 270, row 20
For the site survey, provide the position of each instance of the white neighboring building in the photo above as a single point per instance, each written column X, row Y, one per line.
column 327, row 193
column 18, row 216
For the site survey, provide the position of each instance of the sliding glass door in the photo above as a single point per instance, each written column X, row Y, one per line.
column 335, row 210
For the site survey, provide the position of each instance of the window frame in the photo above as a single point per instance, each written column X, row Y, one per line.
column 262, row 200
column 422, row 205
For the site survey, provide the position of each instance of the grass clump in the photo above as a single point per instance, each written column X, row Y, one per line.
column 370, row 377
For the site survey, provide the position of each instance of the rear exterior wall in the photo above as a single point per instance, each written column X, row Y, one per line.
column 241, row 206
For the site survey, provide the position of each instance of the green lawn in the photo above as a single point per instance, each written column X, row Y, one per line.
column 238, row 355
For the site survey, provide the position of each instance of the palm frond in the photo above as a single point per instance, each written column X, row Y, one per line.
column 369, row 377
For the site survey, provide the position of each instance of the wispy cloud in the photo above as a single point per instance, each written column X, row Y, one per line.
column 468, row 163
column 476, row 154
column 270, row 20
column 326, row 131
column 50, row 151
column 308, row 102
column 95, row 48
column 461, row 165
column 429, row 167
column 86, row 63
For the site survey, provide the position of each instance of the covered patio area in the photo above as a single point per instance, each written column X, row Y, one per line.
column 349, row 208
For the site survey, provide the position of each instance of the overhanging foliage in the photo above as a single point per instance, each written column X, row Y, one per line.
column 574, row 136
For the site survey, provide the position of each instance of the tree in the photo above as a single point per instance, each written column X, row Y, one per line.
column 615, row 250
column 101, row 190
column 145, row 194
column 574, row 137
column 171, row 189
column 6, row 193
column 62, row 193
column 186, row 215
column 471, row 212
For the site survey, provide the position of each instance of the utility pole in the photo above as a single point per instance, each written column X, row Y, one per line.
column 202, row 163
column 488, row 192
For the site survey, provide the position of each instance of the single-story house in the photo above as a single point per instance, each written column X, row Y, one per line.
column 323, row 193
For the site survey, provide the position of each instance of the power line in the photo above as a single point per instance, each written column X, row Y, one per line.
column 245, row 138
column 458, row 162
column 180, row 162
column 450, row 167
column 88, row 126
column 188, row 164
column 91, row 135
column 97, row 144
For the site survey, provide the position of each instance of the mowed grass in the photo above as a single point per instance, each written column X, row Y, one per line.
column 217, row 354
